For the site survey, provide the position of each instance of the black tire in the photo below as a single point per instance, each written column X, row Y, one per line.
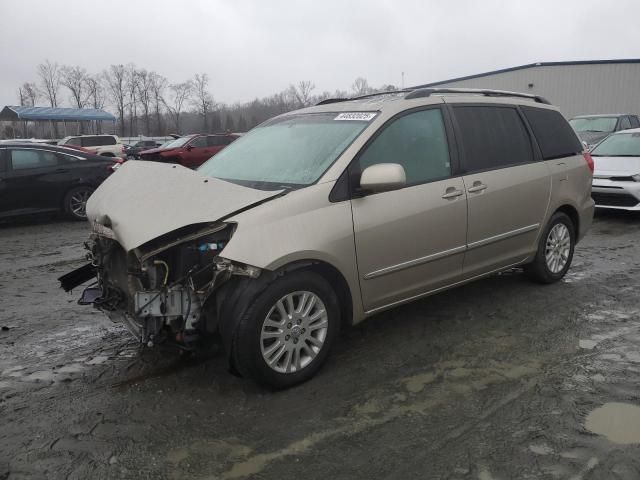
column 539, row 270
column 72, row 200
column 246, row 347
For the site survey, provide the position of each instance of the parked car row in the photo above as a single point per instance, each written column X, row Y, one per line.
column 614, row 143
column 322, row 217
column 592, row 129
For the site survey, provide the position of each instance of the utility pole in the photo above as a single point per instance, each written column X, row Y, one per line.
column 402, row 83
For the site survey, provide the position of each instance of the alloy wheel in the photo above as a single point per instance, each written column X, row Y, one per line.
column 558, row 247
column 294, row 331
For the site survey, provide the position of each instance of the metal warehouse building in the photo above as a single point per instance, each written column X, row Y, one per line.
column 577, row 88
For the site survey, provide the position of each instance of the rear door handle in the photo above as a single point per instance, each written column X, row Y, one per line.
column 452, row 193
column 477, row 187
column 61, row 170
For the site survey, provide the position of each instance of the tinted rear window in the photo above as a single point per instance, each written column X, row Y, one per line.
column 217, row 141
column 97, row 141
column 555, row 136
column 492, row 137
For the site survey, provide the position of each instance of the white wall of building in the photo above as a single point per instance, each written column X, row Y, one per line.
column 576, row 89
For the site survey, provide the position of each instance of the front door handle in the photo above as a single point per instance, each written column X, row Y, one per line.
column 452, row 193
column 477, row 187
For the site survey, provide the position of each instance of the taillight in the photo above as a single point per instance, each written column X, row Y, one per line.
column 589, row 159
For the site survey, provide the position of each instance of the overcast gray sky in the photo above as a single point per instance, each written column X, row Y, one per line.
column 253, row 48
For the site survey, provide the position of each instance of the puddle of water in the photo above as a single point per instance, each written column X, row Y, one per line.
column 42, row 376
column 541, row 449
column 99, row 360
column 71, row 368
column 416, row 383
column 619, row 422
column 587, row 344
column 13, row 371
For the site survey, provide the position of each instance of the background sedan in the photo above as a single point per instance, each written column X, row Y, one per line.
column 616, row 179
column 40, row 178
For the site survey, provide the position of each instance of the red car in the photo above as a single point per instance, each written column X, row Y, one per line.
column 190, row 151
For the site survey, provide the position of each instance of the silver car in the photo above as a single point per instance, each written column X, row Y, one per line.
column 322, row 217
column 616, row 180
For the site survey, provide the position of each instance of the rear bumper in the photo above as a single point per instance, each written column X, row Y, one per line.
column 616, row 195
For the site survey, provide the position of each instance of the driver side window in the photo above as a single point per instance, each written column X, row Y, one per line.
column 418, row 142
column 199, row 142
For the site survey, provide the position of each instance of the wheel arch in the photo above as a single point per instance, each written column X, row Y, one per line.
column 231, row 298
column 72, row 187
column 573, row 215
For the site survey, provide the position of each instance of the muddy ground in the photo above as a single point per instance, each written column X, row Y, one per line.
column 495, row 380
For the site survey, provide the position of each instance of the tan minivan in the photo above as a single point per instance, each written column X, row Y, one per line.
column 324, row 216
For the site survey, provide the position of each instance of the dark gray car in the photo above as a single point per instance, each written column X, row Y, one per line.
column 592, row 129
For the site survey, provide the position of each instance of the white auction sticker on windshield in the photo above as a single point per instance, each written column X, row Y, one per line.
column 360, row 116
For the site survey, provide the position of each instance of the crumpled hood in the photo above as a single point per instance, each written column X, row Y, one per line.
column 616, row 166
column 143, row 200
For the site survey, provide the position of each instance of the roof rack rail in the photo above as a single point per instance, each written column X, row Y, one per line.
column 336, row 100
column 327, row 101
column 426, row 92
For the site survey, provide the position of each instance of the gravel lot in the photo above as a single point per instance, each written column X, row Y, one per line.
column 499, row 379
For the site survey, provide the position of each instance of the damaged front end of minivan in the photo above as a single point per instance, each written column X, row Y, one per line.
column 157, row 267
column 164, row 290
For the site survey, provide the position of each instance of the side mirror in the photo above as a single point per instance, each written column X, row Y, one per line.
column 189, row 148
column 383, row 177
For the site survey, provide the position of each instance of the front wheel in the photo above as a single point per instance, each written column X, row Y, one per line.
column 75, row 202
column 285, row 335
column 555, row 250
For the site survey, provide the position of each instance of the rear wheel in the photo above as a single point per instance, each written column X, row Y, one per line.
column 555, row 250
column 75, row 202
column 286, row 333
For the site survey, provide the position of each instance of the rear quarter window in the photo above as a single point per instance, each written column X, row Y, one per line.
column 555, row 136
column 492, row 137
column 74, row 141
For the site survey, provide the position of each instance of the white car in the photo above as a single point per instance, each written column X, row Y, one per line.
column 616, row 179
column 106, row 145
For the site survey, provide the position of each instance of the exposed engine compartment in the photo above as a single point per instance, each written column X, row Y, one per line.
column 163, row 290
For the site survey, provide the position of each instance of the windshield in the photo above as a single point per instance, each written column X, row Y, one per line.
column 619, row 145
column 178, row 142
column 594, row 124
column 290, row 151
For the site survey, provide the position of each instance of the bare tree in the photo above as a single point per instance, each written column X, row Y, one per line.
column 132, row 97
column 49, row 74
column 180, row 93
column 360, row 87
column 115, row 78
column 203, row 100
column 28, row 94
column 145, row 97
column 95, row 91
column 302, row 92
column 158, row 85
column 75, row 80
